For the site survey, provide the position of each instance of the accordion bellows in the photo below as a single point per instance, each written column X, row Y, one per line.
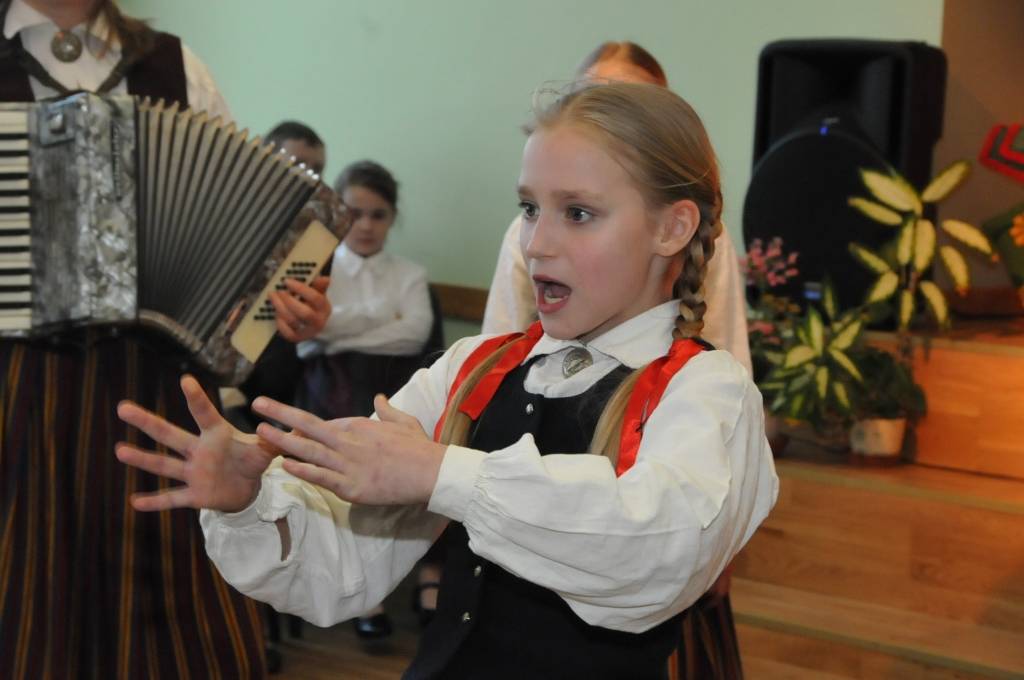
column 115, row 210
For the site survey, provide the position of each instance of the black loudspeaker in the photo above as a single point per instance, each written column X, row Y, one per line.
column 826, row 108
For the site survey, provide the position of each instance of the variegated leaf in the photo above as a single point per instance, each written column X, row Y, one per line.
column 891, row 191
column 883, row 288
column 846, row 337
column 968, row 234
column 796, row 405
column 905, row 244
column 906, row 308
column 924, row 244
column 936, row 302
column 774, row 358
column 846, row 363
column 875, row 211
column 828, row 300
column 911, row 191
column 869, row 259
column 821, row 378
column 800, row 354
column 946, row 181
column 957, row 268
column 815, row 331
column 798, row 383
column 840, row 391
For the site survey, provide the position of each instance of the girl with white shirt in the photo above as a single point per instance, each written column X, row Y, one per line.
column 380, row 306
column 594, row 475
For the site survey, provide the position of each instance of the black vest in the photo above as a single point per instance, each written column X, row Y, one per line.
column 493, row 625
column 160, row 74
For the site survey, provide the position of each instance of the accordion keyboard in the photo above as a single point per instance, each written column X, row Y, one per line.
column 15, row 239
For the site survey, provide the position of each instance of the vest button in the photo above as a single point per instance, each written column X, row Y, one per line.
column 529, row 409
column 477, row 570
column 466, row 617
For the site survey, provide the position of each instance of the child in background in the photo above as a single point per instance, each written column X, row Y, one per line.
column 380, row 320
column 595, row 474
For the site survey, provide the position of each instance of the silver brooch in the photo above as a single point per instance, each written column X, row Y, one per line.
column 575, row 361
column 66, row 46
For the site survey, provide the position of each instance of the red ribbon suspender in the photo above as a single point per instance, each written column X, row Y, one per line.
column 474, row 404
column 645, row 397
column 646, row 394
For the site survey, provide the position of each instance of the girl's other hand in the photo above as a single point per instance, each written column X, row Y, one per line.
column 303, row 311
column 390, row 462
column 220, row 468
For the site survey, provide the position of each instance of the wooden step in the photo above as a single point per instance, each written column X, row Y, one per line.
column 922, row 565
column 770, row 654
column 904, row 635
column 973, row 379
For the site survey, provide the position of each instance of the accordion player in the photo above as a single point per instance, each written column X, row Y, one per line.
column 115, row 210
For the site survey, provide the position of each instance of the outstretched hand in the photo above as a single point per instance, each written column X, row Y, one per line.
column 220, row 467
column 390, row 462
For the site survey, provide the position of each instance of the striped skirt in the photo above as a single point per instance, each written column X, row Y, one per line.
column 708, row 649
column 89, row 588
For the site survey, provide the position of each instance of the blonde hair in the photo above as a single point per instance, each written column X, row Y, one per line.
column 660, row 141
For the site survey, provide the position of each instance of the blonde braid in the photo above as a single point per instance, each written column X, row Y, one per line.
column 690, row 284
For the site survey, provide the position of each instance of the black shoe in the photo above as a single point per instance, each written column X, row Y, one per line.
column 424, row 614
column 373, row 627
column 274, row 661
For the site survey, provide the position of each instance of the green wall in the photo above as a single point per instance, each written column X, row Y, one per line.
column 436, row 90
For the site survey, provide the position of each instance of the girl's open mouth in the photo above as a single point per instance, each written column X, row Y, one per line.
column 551, row 295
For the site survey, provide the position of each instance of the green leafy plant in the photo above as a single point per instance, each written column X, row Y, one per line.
column 766, row 268
column 812, row 373
column 887, row 389
column 904, row 278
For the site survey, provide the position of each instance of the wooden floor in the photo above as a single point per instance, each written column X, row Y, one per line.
column 337, row 654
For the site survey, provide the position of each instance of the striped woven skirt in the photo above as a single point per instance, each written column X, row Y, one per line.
column 708, row 649
column 90, row 588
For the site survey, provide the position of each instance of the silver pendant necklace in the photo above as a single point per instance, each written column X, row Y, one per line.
column 66, row 46
column 575, row 361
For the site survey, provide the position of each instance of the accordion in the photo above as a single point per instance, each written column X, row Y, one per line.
column 115, row 210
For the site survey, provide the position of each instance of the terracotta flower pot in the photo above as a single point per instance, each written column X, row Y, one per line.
column 877, row 441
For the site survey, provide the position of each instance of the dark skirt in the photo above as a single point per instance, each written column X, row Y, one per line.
column 708, row 649
column 90, row 588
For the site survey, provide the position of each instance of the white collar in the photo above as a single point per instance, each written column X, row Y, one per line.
column 351, row 262
column 21, row 15
column 635, row 342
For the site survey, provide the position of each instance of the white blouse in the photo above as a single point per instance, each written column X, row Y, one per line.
column 511, row 303
column 624, row 552
column 379, row 305
column 91, row 69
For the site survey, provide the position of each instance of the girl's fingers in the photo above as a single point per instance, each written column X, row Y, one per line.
column 389, row 414
column 307, row 449
column 320, row 284
column 156, row 428
column 295, row 418
column 156, row 463
column 199, row 405
column 180, row 497
column 328, row 479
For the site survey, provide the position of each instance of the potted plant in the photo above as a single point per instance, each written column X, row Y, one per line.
column 812, row 373
column 883, row 403
column 770, row 315
column 904, row 286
